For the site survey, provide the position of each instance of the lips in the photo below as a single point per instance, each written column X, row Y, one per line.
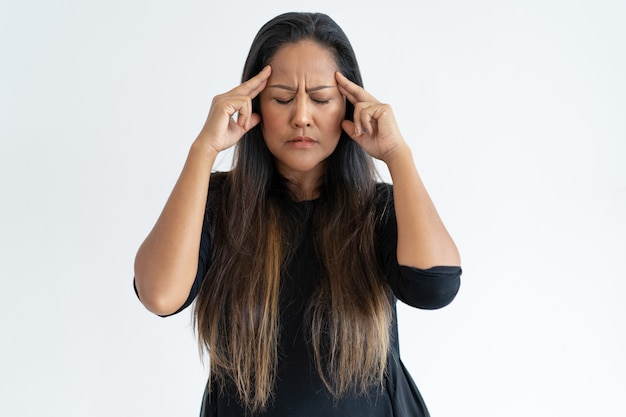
column 302, row 139
column 301, row 142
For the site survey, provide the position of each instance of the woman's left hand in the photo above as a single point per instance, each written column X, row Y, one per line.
column 374, row 127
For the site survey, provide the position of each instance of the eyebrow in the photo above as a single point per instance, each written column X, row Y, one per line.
column 308, row 90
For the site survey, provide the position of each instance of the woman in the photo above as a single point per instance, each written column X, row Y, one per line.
column 296, row 256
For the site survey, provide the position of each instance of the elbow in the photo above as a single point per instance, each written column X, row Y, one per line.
column 439, row 299
column 162, row 290
column 161, row 306
column 429, row 289
column 158, row 301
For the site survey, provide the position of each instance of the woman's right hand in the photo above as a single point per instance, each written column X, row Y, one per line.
column 221, row 130
column 167, row 262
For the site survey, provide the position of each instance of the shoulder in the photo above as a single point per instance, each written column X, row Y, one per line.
column 218, row 185
column 384, row 191
column 383, row 209
column 218, row 191
column 383, row 199
column 219, row 179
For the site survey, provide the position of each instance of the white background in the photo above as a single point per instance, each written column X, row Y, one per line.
column 515, row 112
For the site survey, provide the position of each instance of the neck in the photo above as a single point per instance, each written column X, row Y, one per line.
column 303, row 191
column 303, row 185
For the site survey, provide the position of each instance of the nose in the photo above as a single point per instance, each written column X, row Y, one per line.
column 302, row 113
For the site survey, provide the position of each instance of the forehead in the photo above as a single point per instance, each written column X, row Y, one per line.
column 306, row 59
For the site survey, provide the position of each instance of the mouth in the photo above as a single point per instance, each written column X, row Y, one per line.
column 302, row 139
column 301, row 142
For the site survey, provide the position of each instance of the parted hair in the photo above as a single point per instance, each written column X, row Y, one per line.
column 237, row 309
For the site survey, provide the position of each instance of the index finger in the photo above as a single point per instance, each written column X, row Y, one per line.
column 352, row 91
column 256, row 84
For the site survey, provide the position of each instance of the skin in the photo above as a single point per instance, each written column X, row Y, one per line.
column 302, row 95
column 302, row 101
column 423, row 241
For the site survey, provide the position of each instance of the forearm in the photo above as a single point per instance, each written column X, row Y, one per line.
column 423, row 240
column 167, row 261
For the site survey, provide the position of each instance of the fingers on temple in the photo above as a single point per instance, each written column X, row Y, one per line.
column 256, row 84
column 352, row 91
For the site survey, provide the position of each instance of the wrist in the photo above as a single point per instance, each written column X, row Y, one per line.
column 203, row 148
column 398, row 156
column 204, row 151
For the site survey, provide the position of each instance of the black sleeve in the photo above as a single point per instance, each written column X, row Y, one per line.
column 204, row 255
column 422, row 288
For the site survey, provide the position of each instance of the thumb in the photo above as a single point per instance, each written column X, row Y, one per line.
column 348, row 127
column 254, row 120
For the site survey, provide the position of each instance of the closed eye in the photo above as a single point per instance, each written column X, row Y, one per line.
column 285, row 102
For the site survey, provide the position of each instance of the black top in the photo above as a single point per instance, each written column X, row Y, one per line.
column 299, row 389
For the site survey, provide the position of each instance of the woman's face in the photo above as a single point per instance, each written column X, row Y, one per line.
column 302, row 109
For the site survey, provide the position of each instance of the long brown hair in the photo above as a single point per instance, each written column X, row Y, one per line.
column 237, row 309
